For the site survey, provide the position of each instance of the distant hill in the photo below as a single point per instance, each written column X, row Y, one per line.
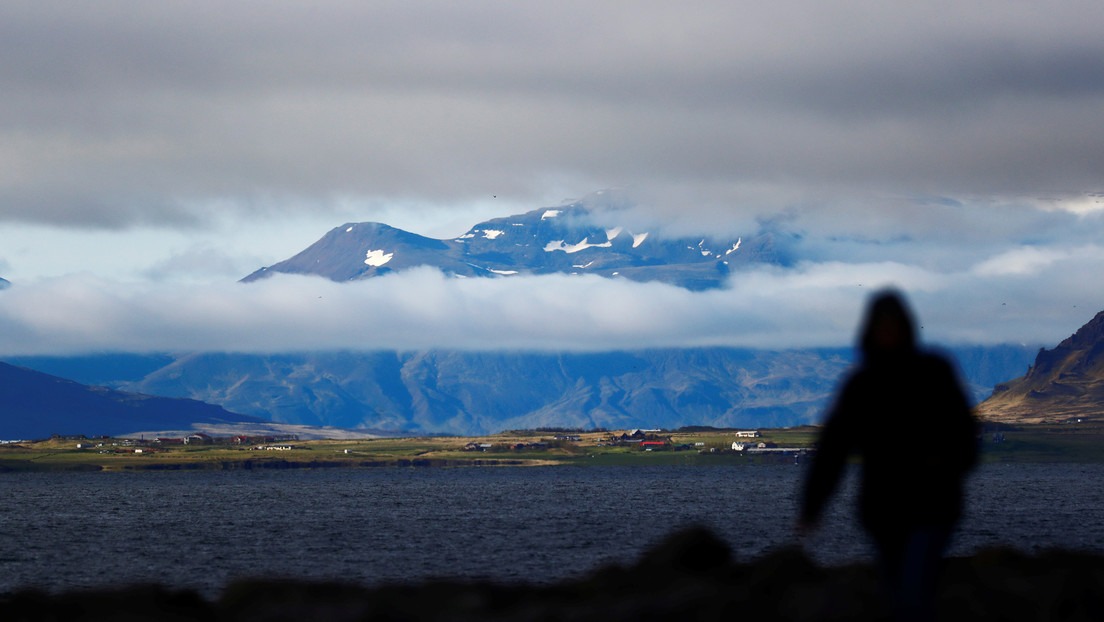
column 4, row 283
column 1064, row 382
column 562, row 239
column 34, row 405
column 474, row 393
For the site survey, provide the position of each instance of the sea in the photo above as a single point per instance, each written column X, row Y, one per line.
column 202, row 530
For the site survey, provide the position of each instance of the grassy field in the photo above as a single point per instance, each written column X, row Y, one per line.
column 1075, row 443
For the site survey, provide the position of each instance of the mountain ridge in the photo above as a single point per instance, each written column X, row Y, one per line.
column 37, row 405
column 1064, row 383
column 562, row 239
column 434, row 392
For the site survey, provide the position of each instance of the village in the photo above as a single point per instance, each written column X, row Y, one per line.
column 541, row 447
column 141, row 445
column 748, row 442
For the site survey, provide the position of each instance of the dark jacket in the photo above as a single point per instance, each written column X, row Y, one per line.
column 907, row 418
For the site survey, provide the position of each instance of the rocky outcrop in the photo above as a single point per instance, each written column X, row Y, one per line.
column 1065, row 383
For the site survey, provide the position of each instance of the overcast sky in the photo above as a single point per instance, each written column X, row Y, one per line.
column 153, row 153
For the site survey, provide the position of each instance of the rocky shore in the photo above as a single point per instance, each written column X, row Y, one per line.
column 692, row 575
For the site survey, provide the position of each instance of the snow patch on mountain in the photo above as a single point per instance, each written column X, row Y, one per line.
column 559, row 245
column 551, row 213
column 377, row 258
column 491, row 234
column 735, row 247
column 638, row 239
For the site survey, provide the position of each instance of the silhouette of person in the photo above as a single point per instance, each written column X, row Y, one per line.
column 904, row 414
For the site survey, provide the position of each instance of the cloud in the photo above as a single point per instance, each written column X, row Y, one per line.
column 126, row 114
column 952, row 148
column 810, row 304
column 201, row 260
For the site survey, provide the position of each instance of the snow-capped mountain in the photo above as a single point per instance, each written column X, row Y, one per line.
column 551, row 240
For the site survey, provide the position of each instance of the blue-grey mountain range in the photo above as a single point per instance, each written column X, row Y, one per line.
column 441, row 391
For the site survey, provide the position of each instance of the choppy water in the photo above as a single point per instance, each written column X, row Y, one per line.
column 202, row 529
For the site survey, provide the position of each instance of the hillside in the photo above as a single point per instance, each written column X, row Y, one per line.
column 35, row 405
column 1066, row 382
column 563, row 239
column 477, row 393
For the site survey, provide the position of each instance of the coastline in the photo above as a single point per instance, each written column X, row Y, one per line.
column 689, row 575
column 1049, row 443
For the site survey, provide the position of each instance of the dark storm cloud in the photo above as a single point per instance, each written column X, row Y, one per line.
column 118, row 113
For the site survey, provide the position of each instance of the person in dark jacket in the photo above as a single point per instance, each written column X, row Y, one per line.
column 904, row 414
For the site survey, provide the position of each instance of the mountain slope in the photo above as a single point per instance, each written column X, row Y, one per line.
column 474, row 393
column 1064, row 382
column 35, row 405
column 542, row 241
column 471, row 393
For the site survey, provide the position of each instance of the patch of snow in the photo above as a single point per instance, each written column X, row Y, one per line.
column 613, row 233
column 491, row 234
column 377, row 258
column 559, row 245
column 517, row 224
column 551, row 213
column 583, row 266
column 349, row 229
column 466, row 236
column 735, row 247
column 638, row 239
column 504, row 272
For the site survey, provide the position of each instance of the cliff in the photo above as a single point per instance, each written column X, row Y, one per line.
column 1065, row 383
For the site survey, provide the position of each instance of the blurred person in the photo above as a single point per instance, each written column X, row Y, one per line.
column 903, row 413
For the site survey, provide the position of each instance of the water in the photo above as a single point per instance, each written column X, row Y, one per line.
column 202, row 529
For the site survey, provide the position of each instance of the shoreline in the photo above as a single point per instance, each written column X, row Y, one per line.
column 691, row 574
column 1036, row 443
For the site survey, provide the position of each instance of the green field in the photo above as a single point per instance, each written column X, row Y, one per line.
column 1074, row 443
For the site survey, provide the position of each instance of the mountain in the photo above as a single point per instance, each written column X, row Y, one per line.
column 474, row 393
column 35, row 405
column 4, row 283
column 1065, row 382
column 543, row 241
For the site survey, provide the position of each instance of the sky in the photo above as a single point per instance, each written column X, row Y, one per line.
column 152, row 154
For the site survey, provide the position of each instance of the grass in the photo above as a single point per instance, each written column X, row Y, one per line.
column 1073, row 443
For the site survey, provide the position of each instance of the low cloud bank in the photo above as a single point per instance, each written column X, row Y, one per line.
column 1020, row 296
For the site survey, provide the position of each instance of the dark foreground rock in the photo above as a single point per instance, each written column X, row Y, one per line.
column 689, row 576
